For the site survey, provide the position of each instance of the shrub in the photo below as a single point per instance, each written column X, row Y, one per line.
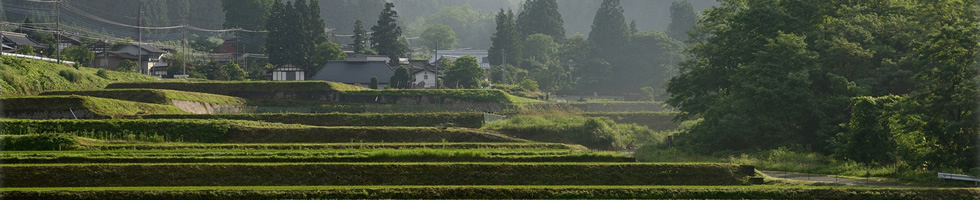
column 71, row 75
column 46, row 141
column 102, row 73
column 592, row 132
column 127, row 66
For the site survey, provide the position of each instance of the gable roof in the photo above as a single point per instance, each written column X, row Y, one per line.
column 148, row 47
column 354, row 72
column 21, row 39
column 453, row 54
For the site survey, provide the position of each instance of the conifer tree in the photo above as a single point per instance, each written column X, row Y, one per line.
column 386, row 33
column 541, row 16
column 505, row 41
column 274, row 43
column 682, row 19
column 359, row 36
column 609, row 33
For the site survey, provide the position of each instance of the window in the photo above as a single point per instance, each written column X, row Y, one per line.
column 425, row 77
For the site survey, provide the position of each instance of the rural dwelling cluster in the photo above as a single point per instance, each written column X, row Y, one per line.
column 360, row 69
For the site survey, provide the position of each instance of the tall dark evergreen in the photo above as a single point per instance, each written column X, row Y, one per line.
column 386, row 33
column 275, row 44
column 251, row 15
column 682, row 19
column 360, row 35
column 315, row 24
column 609, row 33
column 505, row 41
column 541, row 16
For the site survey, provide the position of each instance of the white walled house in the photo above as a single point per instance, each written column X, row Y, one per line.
column 288, row 73
column 425, row 78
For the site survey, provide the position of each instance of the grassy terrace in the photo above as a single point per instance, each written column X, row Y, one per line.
column 450, row 173
column 470, row 120
column 495, row 192
column 29, row 77
column 318, row 146
column 240, row 131
column 323, row 155
column 100, row 106
column 157, row 96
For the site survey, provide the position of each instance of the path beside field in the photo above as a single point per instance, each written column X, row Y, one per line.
column 829, row 179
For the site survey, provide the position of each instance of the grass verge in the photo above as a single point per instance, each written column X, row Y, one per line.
column 490, row 192
column 87, row 175
column 157, row 96
column 100, row 107
column 470, row 120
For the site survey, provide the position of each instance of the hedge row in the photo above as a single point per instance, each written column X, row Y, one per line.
column 30, row 142
column 102, row 107
column 457, row 157
column 471, row 120
column 113, row 175
column 232, row 87
column 339, row 146
column 215, row 131
column 314, row 134
column 461, row 94
column 157, row 96
column 478, row 192
column 657, row 121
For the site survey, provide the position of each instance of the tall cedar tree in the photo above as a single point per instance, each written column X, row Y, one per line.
column 251, row 15
column 386, row 33
column 294, row 32
column 275, row 44
column 505, row 40
column 682, row 19
column 360, row 35
column 609, row 33
column 541, row 16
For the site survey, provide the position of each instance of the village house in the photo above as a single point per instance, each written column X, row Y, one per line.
column 15, row 41
column 356, row 72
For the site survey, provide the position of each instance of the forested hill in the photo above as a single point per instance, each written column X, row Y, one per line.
column 338, row 14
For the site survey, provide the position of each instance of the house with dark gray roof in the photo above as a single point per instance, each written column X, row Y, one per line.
column 355, row 72
column 19, row 40
column 148, row 55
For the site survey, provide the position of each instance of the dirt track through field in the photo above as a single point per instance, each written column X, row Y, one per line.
column 829, row 179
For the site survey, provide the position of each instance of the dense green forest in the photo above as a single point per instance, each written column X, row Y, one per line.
column 880, row 83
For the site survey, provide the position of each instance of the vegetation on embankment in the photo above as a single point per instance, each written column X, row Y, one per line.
column 157, row 96
column 592, row 132
column 657, row 121
column 470, row 120
column 101, row 145
column 100, row 107
column 240, row 131
column 325, row 155
column 488, row 192
column 322, row 90
column 271, row 174
column 30, row 77
column 32, row 142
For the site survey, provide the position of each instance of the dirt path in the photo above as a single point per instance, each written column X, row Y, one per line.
column 829, row 179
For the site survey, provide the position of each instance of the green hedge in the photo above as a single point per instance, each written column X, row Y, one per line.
column 214, row 131
column 441, row 145
column 111, row 175
column 232, row 87
column 99, row 106
column 471, row 120
column 48, row 141
column 461, row 94
column 157, row 96
column 503, row 192
column 657, row 121
column 592, row 132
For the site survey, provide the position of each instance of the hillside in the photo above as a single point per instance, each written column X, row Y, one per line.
column 28, row 77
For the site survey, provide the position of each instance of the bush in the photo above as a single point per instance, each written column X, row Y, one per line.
column 127, row 66
column 71, row 75
column 592, row 132
column 33, row 142
column 102, row 73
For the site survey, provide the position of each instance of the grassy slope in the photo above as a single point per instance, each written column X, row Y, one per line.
column 30, row 77
column 258, row 174
column 99, row 106
column 469, row 120
column 157, row 96
column 487, row 192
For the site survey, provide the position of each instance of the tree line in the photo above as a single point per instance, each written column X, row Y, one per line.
column 883, row 82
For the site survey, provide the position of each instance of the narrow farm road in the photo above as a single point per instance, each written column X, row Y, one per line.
column 829, row 179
